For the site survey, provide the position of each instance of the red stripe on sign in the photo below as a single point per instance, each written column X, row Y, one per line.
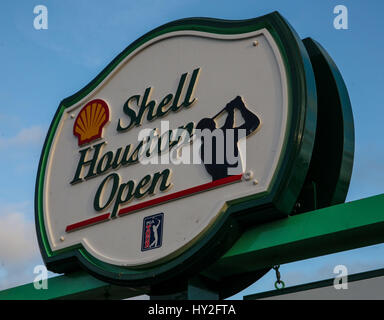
column 88, row 222
column 154, row 202
column 180, row 194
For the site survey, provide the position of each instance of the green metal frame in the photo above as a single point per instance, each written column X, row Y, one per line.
column 331, row 165
column 277, row 202
column 78, row 285
column 315, row 285
column 338, row 228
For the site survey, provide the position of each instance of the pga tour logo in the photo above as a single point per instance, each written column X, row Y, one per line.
column 152, row 232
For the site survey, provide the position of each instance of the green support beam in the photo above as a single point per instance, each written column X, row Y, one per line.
column 338, row 228
column 79, row 285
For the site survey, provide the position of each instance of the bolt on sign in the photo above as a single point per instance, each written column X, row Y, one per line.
column 196, row 130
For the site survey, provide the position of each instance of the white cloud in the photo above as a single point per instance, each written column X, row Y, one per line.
column 27, row 136
column 17, row 239
column 19, row 251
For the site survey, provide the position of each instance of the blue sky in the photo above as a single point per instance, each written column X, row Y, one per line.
column 41, row 67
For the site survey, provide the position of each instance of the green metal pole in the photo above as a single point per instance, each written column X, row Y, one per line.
column 79, row 285
column 338, row 228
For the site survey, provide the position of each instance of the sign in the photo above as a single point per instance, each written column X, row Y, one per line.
column 195, row 130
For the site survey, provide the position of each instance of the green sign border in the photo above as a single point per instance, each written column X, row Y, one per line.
column 276, row 202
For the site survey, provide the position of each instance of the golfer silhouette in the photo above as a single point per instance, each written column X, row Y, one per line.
column 219, row 169
column 155, row 234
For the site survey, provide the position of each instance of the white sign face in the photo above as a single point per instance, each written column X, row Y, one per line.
column 258, row 78
column 103, row 194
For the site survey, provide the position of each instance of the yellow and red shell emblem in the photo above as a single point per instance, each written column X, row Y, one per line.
column 90, row 121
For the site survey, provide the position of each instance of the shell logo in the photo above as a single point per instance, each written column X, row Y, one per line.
column 90, row 121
